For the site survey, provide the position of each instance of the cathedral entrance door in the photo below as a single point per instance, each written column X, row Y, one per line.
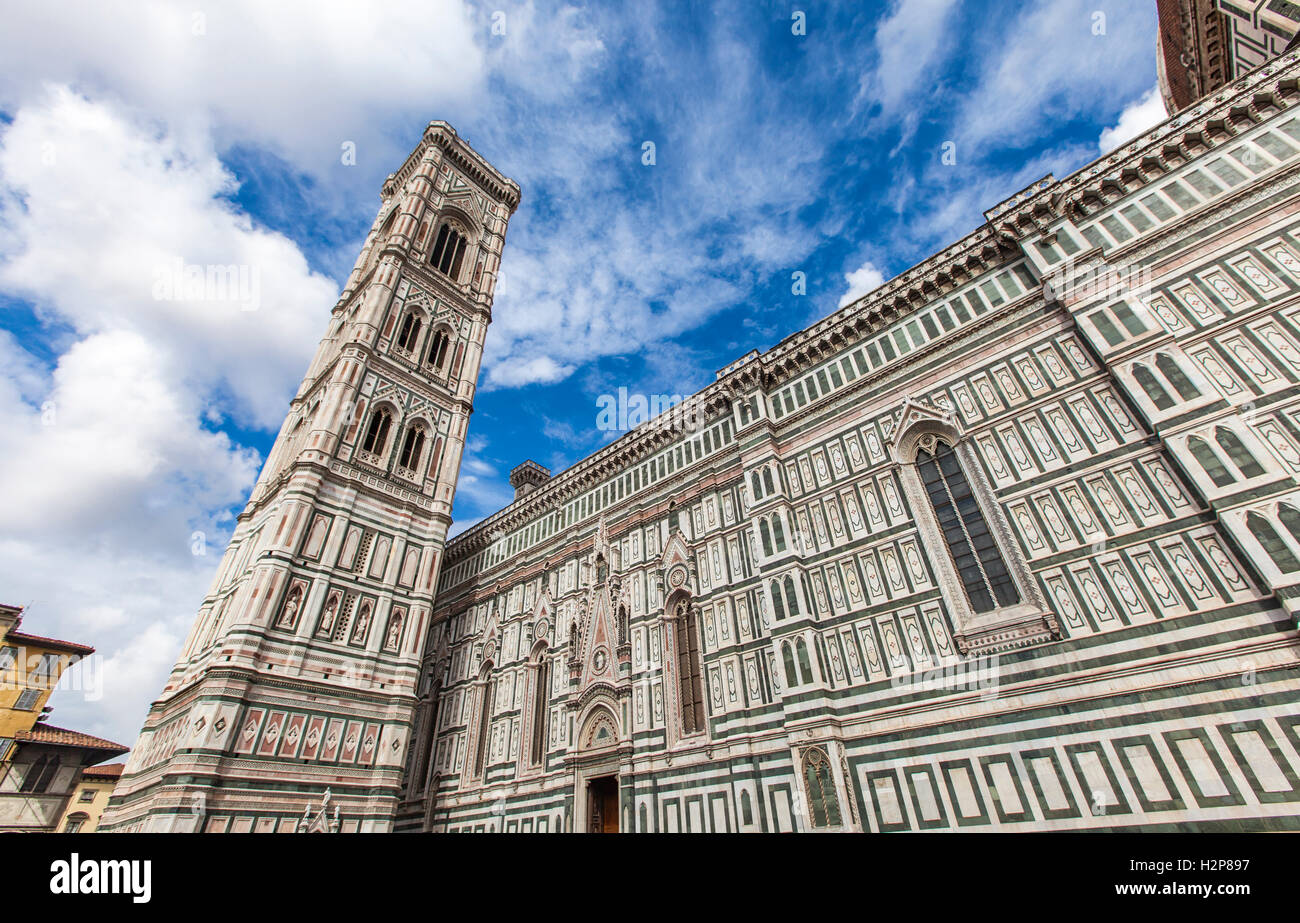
column 602, row 795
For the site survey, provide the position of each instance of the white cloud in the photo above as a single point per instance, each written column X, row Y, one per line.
column 866, row 278
column 1144, row 113
column 907, row 41
column 109, row 452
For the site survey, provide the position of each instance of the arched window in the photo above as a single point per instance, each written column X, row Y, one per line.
column 791, row 601
column 823, row 803
column 412, row 448
column 438, row 349
column 791, row 677
column 75, row 822
column 448, row 251
column 1182, row 384
column 778, row 533
column 746, row 808
column 1272, row 543
column 409, row 332
column 688, row 670
column 1240, row 455
column 758, row 489
column 541, row 698
column 377, row 433
column 978, row 560
column 778, row 607
column 484, row 722
column 767, row 480
column 1206, row 458
column 1155, row 391
column 805, row 667
column 767, row 536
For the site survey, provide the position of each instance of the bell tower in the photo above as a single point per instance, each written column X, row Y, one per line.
column 300, row 674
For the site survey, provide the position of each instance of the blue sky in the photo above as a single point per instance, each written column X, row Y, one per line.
column 135, row 134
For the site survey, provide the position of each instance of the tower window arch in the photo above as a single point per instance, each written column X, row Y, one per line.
column 766, row 534
column 979, row 562
column 1290, row 517
column 768, row 485
column 778, row 606
column 412, row 448
column 778, row 533
column 688, row 670
column 805, row 665
column 409, row 332
column 381, row 421
column 787, row 656
column 791, row 600
column 438, row 348
column 449, row 250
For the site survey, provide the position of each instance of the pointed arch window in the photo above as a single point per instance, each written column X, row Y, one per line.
column 778, row 533
column 823, row 802
column 1177, row 377
column 787, row 655
column 791, row 600
column 758, row 487
column 1272, row 543
column 449, row 251
column 805, row 664
column 412, row 448
column 381, row 421
column 1209, row 462
column 767, row 481
column 778, row 607
column 541, row 698
column 979, row 562
column 409, row 332
column 1240, row 455
column 766, row 535
column 484, row 723
column 438, row 349
column 688, row 670
column 1155, row 391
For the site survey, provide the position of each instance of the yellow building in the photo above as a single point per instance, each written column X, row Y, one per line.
column 40, row 765
column 89, row 798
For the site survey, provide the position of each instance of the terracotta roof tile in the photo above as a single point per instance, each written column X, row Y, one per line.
column 62, row 737
column 111, row 771
column 71, row 646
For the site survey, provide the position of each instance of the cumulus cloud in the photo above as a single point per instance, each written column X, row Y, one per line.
column 863, row 280
column 1144, row 113
column 110, row 449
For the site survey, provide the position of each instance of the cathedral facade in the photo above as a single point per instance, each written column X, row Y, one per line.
column 1010, row 543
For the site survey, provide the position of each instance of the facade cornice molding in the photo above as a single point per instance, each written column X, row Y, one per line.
column 441, row 135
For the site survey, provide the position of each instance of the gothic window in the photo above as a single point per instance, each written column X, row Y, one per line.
column 791, row 601
column 409, row 332
column 787, row 655
column 377, row 433
column 746, row 809
column 412, row 448
column 688, row 670
column 1208, row 461
column 805, row 666
column 766, row 535
column 1182, row 384
column 778, row 534
column 767, row 481
column 979, row 562
column 449, row 251
column 438, row 349
column 541, row 695
column 778, row 607
column 1272, row 543
column 1155, row 391
column 484, row 722
column 1240, row 455
column 758, row 488
column 823, row 803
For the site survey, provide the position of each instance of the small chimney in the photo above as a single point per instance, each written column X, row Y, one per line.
column 528, row 477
